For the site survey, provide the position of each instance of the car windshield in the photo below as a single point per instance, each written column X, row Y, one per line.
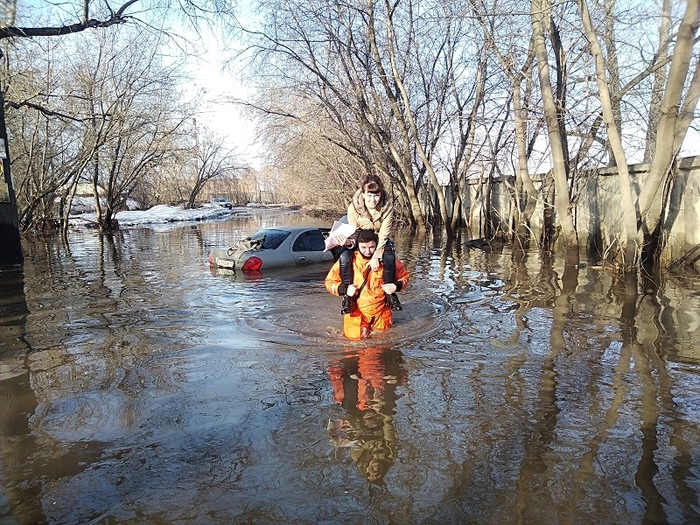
column 271, row 238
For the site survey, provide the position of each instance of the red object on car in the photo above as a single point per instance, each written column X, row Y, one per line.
column 253, row 264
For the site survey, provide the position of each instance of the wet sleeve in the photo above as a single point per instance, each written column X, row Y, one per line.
column 333, row 280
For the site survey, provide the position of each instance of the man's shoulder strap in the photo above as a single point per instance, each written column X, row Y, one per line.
column 365, row 276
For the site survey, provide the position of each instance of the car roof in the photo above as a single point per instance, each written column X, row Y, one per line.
column 293, row 229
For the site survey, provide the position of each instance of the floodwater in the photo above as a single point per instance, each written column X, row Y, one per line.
column 138, row 387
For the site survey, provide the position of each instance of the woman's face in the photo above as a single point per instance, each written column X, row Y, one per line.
column 371, row 199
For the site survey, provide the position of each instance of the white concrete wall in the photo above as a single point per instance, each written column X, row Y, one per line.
column 598, row 213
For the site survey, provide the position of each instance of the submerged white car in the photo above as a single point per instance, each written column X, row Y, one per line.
column 276, row 247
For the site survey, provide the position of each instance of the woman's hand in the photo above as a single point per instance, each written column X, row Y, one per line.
column 374, row 264
column 342, row 240
column 389, row 288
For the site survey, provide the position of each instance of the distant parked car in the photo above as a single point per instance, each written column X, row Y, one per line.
column 220, row 201
column 276, row 247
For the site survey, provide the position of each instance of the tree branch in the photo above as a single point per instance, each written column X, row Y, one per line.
column 44, row 110
column 116, row 18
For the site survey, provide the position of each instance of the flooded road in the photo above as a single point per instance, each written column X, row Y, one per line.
column 136, row 386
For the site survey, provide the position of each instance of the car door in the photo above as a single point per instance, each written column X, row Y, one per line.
column 308, row 247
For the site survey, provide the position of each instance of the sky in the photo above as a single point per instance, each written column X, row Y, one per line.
column 214, row 82
column 214, row 85
column 691, row 146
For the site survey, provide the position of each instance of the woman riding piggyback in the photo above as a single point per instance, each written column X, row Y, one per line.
column 371, row 209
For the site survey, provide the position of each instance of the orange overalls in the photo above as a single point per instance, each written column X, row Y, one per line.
column 369, row 310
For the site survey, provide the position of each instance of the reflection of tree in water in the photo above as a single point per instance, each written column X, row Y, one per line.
column 365, row 382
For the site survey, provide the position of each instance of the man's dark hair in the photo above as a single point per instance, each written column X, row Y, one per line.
column 367, row 236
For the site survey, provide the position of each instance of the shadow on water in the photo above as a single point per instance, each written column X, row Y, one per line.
column 138, row 387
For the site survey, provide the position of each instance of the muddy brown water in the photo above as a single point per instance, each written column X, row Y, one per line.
column 136, row 386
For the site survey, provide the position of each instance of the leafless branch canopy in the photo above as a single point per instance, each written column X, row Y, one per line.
column 116, row 17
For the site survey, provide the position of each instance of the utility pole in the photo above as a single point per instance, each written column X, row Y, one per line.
column 10, row 244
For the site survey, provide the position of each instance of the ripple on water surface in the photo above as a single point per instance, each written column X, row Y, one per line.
column 292, row 308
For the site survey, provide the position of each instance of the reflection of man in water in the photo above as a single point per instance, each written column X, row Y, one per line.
column 368, row 309
column 365, row 383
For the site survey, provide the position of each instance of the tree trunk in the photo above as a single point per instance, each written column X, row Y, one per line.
column 467, row 144
column 629, row 215
column 540, row 17
column 406, row 184
column 65, row 213
column 10, row 244
column 671, row 130
column 660, row 76
column 525, row 192
column 404, row 116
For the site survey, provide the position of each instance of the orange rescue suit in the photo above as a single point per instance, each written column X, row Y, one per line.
column 370, row 309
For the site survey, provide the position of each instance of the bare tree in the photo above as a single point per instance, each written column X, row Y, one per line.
column 541, row 18
column 520, row 79
column 328, row 61
column 130, row 98
column 51, row 153
column 114, row 117
column 612, row 123
column 386, row 84
column 69, row 18
column 397, row 88
column 307, row 151
column 673, row 75
column 211, row 159
column 679, row 102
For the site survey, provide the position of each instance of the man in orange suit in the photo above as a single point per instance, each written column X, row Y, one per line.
column 369, row 311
